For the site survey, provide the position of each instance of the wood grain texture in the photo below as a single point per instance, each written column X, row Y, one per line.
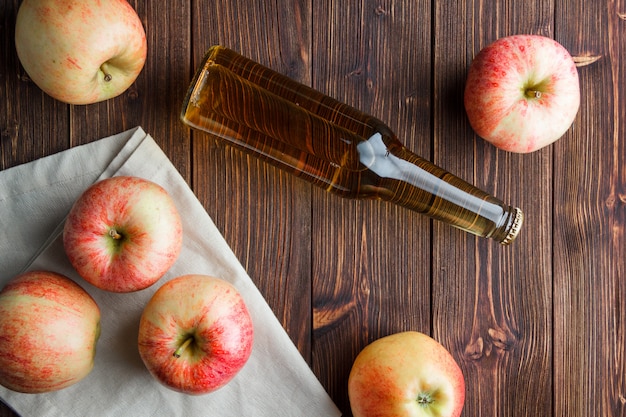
column 589, row 220
column 263, row 213
column 373, row 56
column 33, row 124
column 538, row 328
column 499, row 327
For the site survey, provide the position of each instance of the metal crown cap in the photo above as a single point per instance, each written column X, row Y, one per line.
column 516, row 225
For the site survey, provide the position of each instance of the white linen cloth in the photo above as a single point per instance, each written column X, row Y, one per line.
column 34, row 200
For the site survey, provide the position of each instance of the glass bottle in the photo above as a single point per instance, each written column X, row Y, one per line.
column 332, row 145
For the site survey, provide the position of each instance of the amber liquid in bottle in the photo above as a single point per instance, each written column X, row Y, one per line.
column 332, row 145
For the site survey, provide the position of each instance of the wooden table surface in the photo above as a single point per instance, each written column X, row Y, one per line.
column 538, row 328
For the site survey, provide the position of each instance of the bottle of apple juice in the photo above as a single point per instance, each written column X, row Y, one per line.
column 332, row 145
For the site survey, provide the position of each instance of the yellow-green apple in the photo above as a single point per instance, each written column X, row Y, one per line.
column 80, row 51
column 123, row 234
column 406, row 374
column 49, row 327
column 195, row 334
column 522, row 92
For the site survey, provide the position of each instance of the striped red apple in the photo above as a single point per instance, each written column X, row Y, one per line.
column 522, row 92
column 406, row 374
column 49, row 327
column 195, row 334
column 123, row 234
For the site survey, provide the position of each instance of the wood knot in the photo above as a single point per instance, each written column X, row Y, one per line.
column 474, row 350
column 356, row 72
column 132, row 93
column 380, row 10
column 10, row 131
column 500, row 339
column 496, row 339
column 615, row 200
column 330, row 315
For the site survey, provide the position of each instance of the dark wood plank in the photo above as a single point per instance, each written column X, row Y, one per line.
column 371, row 260
column 32, row 123
column 491, row 304
column 155, row 99
column 590, row 219
column 263, row 213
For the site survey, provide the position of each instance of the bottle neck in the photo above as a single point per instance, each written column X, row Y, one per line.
column 415, row 183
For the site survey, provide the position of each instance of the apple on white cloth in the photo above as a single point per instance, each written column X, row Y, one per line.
column 276, row 381
column 123, row 234
column 49, row 327
column 80, row 51
column 522, row 92
column 195, row 334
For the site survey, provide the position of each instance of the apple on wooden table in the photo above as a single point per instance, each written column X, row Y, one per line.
column 406, row 374
column 522, row 92
column 195, row 334
column 123, row 234
column 80, row 51
column 49, row 327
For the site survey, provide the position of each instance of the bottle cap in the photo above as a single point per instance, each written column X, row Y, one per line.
column 515, row 227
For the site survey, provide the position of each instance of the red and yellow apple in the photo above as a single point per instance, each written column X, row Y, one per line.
column 123, row 234
column 406, row 374
column 49, row 327
column 195, row 334
column 80, row 51
column 522, row 92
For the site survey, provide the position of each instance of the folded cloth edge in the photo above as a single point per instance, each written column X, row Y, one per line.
column 139, row 135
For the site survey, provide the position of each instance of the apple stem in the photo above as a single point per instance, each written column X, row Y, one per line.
column 114, row 234
column 107, row 76
column 183, row 347
column 424, row 399
column 533, row 94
